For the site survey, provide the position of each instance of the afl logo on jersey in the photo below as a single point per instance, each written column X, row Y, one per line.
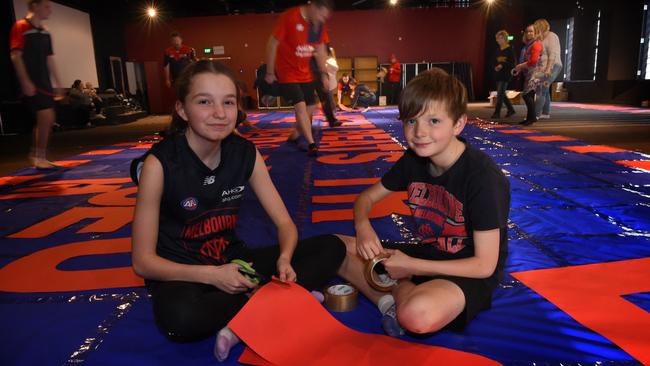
column 300, row 27
column 190, row 203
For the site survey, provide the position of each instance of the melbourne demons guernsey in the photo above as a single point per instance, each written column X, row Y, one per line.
column 177, row 59
column 473, row 194
column 36, row 45
column 200, row 207
column 297, row 45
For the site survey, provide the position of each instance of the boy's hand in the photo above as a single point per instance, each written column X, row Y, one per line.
column 398, row 265
column 285, row 270
column 368, row 244
column 228, row 279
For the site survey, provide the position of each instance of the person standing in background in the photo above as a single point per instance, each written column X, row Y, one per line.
column 298, row 36
column 505, row 61
column 177, row 56
column 531, row 55
column 323, row 90
column 394, row 77
column 549, row 67
column 33, row 59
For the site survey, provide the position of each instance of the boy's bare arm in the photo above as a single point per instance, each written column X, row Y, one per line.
column 368, row 245
column 481, row 265
column 26, row 84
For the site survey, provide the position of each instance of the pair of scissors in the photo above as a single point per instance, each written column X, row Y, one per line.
column 250, row 273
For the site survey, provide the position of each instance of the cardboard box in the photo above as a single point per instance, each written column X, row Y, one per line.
column 513, row 95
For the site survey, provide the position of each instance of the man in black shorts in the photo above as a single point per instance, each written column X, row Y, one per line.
column 33, row 60
column 298, row 36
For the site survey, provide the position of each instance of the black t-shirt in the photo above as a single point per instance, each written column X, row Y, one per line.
column 36, row 45
column 506, row 58
column 200, row 207
column 473, row 194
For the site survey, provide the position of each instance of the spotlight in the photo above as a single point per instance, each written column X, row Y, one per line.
column 151, row 12
column 393, row 2
column 490, row 2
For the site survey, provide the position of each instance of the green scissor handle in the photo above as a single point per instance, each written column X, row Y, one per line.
column 246, row 269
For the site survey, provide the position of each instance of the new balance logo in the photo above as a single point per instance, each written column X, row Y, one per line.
column 208, row 180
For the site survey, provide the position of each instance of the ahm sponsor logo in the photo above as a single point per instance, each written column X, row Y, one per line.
column 232, row 191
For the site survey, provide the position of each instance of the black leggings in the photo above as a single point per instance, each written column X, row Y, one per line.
column 529, row 99
column 187, row 311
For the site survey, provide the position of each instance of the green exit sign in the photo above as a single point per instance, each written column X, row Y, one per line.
column 207, row 50
column 510, row 38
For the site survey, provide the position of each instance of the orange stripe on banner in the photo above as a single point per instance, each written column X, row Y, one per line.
column 71, row 163
column 640, row 164
column 102, row 152
column 334, row 198
column 66, row 188
column 345, row 182
column 285, row 325
column 142, row 146
column 593, row 149
column 38, row 271
column 393, row 203
column 17, row 179
column 549, row 138
column 118, row 197
column 592, row 295
column 110, row 219
column 517, row 131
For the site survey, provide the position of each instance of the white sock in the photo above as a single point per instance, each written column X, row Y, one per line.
column 385, row 302
column 226, row 339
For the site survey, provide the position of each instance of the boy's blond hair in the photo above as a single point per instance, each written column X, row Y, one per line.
column 503, row 33
column 433, row 85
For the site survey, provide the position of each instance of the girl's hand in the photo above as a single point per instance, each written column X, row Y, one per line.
column 285, row 270
column 398, row 265
column 228, row 279
column 368, row 244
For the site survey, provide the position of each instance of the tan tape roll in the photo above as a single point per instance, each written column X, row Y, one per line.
column 341, row 298
column 371, row 276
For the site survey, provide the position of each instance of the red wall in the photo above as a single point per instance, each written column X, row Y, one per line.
column 439, row 34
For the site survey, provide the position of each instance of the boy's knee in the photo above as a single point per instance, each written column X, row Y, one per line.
column 419, row 316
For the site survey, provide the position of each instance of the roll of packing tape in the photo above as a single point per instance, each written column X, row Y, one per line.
column 341, row 298
column 379, row 281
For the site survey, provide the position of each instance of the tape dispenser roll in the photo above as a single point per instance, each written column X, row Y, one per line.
column 341, row 297
column 379, row 280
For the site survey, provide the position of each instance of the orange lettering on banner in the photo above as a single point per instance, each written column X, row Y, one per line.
column 345, row 182
column 375, row 134
column 110, row 219
column 361, row 158
column 38, row 271
column 118, row 197
column 592, row 295
column 67, row 188
column 393, row 203
column 17, row 179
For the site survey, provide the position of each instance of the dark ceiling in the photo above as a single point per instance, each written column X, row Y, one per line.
column 189, row 8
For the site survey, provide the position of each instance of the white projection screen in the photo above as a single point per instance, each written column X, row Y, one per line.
column 72, row 41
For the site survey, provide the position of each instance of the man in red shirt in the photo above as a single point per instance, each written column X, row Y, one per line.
column 176, row 58
column 33, row 60
column 394, row 80
column 298, row 36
